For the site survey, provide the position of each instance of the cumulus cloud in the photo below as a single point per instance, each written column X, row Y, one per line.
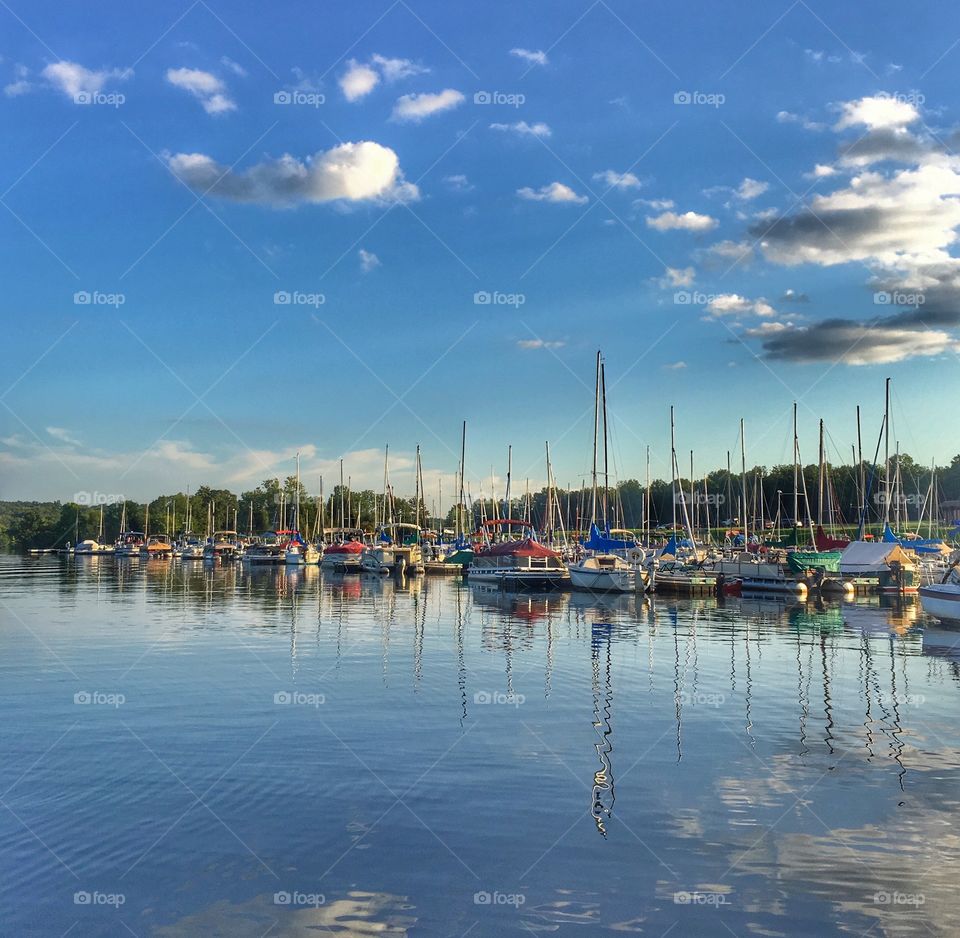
column 616, row 180
column 368, row 260
column 794, row 296
column 415, row 107
column 63, row 435
column 878, row 112
column 75, row 80
column 352, row 172
column 676, row 366
column 736, row 306
column 358, row 81
column 209, row 90
column 554, row 192
column 534, row 57
column 523, row 129
column 877, row 342
column 688, row 221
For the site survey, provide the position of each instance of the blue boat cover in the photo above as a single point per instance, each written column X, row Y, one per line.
column 604, row 544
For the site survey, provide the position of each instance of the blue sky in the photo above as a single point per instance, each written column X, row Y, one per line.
column 231, row 233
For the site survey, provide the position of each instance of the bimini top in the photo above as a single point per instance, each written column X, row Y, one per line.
column 525, row 548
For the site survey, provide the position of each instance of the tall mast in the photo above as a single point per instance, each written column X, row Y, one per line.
column 342, row 515
column 796, row 446
column 416, row 496
column 693, row 500
column 606, row 473
column 596, row 430
column 548, row 520
column 506, row 499
column 743, row 484
column 863, row 481
column 886, row 452
column 297, row 511
column 463, row 456
column 673, row 468
column 820, row 480
column 646, row 499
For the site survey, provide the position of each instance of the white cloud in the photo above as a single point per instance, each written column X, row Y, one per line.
column 555, row 192
column 20, row 85
column 234, row 67
column 751, row 188
column 676, row 366
column 368, row 260
column 395, row 69
column 73, row 79
column 522, row 128
column 63, row 435
column 209, row 90
column 658, row 205
column 415, row 107
column 530, row 344
column 688, row 221
column 358, row 81
column 879, row 112
column 533, row 57
column 734, row 305
column 679, row 276
column 616, row 180
column 788, row 117
column 351, row 172
column 821, row 171
column 458, row 182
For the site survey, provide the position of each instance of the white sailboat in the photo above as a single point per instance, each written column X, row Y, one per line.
column 601, row 571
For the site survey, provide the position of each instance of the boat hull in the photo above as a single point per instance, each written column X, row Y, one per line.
column 603, row 581
column 941, row 601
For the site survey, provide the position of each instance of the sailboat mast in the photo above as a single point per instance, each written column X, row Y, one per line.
column 820, row 480
column 596, row 431
column 673, row 468
column 886, row 452
column 297, row 524
column 606, row 472
column 463, row 456
column 796, row 486
column 743, row 485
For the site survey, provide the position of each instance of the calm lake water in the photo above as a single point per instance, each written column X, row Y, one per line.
column 210, row 750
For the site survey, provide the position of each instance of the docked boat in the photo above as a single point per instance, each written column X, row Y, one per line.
column 604, row 573
column 524, row 564
column 942, row 600
column 189, row 548
column 222, row 545
column 299, row 553
column 96, row 545
column 380, row 559
column 157, row 545
column 270, row 548
column 344, row 557
column 129, row 543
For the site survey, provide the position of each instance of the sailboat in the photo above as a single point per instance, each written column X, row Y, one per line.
column 90, row 546
column 600, row 569
column 299, row 552
column 129, row 542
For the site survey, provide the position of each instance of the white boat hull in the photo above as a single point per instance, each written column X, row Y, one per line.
column 941, row 600
column 603, row 581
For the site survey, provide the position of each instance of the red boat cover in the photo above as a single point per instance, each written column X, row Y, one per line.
column 525, row 548
column 351, row 547
column 825, row 542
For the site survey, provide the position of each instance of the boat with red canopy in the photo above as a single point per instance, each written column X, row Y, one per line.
column 522, row 564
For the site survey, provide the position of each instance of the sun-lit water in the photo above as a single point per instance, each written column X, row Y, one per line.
column 206, row 750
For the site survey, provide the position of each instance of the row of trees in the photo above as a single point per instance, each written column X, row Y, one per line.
column 272, row 504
